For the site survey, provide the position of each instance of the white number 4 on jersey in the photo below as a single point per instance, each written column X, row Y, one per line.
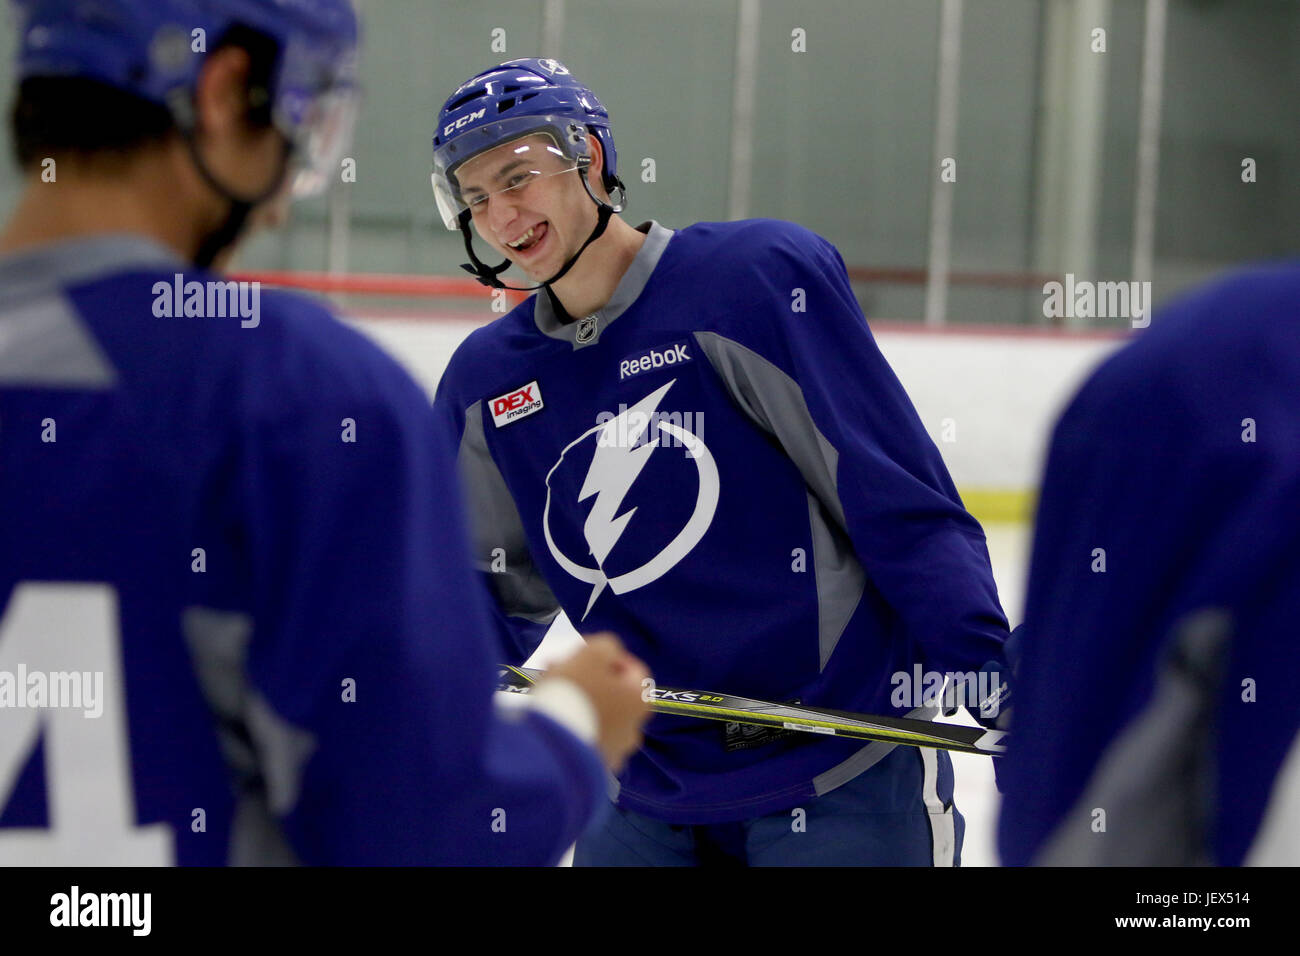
column 55, row 628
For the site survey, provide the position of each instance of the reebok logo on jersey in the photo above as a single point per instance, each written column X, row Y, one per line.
column 674, row 354
column 517, row 404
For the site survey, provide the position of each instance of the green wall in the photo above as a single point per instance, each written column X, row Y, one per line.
column 843, row 132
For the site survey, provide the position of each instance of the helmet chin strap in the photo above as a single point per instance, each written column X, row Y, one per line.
column 488, row 274
column 223, row 236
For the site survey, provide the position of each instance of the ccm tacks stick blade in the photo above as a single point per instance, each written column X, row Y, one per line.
column 813, row 720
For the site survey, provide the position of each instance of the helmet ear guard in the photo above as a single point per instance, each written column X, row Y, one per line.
column 608, row 179
column 614, row 205
column 621, row 203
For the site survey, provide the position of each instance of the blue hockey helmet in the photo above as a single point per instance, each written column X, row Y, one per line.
column 154, row 49
column 507, row 102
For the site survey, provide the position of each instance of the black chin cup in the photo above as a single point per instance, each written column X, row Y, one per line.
column 487, row 275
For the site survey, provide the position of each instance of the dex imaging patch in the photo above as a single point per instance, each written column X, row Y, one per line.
column 518, row 404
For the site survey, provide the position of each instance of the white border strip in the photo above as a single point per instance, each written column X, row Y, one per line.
column 744, row 93
column 1148, row 151
column 552, row 28
column 943, row 829
column 945, row 146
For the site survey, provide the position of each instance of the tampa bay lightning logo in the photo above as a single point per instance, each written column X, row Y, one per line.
column 623, row 447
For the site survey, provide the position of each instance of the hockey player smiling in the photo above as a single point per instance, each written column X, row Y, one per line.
column 809, row 547
column 523, row 206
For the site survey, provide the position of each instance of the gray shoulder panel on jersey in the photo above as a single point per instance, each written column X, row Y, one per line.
column 43, row 342
column 1277, row 841
column 32, row 272
column 1154, row 782
column 774, row 401
column 495, row 524
column 266, row 753
column 625, row 293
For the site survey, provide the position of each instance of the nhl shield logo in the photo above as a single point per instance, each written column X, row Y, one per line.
column 586, row 330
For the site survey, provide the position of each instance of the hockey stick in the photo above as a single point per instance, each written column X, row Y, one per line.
column 815, row 720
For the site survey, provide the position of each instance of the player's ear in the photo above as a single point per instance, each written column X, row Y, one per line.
column 597, row 164
column 219, row 96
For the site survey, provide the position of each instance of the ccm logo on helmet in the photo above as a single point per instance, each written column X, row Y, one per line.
column 467, row 118
column 673, row 354
column 517, row 404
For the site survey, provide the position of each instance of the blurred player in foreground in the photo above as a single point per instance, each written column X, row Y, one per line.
column 1157, row 690
column 236, row 624
column 691, row 438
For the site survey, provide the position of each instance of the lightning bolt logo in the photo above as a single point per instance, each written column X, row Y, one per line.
column 614, row 468
column 622, row 450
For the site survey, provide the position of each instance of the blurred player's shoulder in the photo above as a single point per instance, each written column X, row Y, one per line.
column 1246, row 327
column 1235, row 335
column 1231, row 310
column 1202, row 400
column 164, row 327
column 318, row 354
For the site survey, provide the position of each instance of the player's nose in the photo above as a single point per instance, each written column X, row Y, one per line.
column 502, row 211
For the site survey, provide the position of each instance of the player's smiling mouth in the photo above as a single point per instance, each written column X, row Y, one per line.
column 527, row 243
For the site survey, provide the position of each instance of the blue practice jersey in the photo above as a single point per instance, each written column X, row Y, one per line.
column 236, row 622
column 1157, row 695
column 720, row 467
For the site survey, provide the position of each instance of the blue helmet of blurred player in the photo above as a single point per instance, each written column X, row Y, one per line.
column 302, row 74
